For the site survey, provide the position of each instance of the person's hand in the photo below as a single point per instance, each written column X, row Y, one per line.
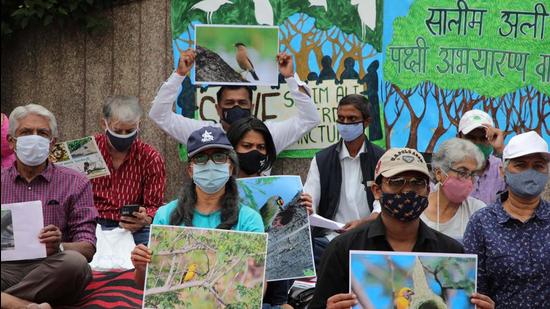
column 51, row 236
column 495, row 137
column 286, row 66
column 141, row 255
column 186, row 61
column 307, row 201
column 350, row 225
column 136, row 223
column 343, row 300
column 482, row 301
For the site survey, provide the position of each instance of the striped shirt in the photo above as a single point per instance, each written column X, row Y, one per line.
column 140, row 179
column 66, row 196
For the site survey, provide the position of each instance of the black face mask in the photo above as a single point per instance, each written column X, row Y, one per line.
column 233, row 114
column 252, row 162
column 121, row 144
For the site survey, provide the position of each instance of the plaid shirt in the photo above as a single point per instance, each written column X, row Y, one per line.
column 140, row 179
column 66, row 195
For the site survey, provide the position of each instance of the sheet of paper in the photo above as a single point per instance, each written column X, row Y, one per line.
column 316, row 220
column 21, row 224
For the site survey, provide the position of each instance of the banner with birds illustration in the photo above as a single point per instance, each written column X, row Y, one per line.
column 277, row 199
column 204, row 268
column 410, row 280
column 236, row 55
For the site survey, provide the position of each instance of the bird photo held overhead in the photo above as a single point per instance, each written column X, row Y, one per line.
column 236, row 55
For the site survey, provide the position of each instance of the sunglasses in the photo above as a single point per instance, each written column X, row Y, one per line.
column 397, row 183
column 216, row 157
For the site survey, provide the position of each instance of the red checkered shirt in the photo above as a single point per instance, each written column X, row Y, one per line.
column 140, row 179
column 66, row 195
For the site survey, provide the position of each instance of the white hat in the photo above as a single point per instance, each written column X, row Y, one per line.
column 525, row 144
column 474, row 119
column 399, row 160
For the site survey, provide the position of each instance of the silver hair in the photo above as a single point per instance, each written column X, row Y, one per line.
column 21, row 112
column 456, row 150
column 122, row 108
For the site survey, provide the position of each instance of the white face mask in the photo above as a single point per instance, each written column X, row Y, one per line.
column 32, row 150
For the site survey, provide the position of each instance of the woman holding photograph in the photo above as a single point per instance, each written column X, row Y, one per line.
column 256, row 152
column 210, row 200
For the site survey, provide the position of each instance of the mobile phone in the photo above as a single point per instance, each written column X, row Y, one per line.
column 128, row 210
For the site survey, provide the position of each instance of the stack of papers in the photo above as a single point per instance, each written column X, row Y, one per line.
column 316, row 220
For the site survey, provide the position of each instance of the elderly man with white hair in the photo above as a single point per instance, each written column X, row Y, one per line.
column 138, row 175
column 511, row 237
column 450, row 206
column 69, row 216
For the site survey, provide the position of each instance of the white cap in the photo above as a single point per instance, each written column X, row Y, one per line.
column 525, row 144
column 474, row 119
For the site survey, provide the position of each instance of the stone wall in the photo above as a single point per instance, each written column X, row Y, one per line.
column 71, row 73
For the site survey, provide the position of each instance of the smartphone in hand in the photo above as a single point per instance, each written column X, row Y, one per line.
column 128, row 210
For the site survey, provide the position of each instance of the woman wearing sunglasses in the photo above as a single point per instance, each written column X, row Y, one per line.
column 454, row 167
column 210, row 200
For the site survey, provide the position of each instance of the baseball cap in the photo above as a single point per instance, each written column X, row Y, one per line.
column 473, row 119
column 525, row 144
column 206, row 138
column 399, row 160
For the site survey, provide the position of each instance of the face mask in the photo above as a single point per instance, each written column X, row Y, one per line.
column 210, row 177
column 231, row 115
column 526, row 184
column 32, row 150
column 252, row 162
column 456, row 189
column 350, row 131
column 121, row 142
column 404, row 206
column 487, row 150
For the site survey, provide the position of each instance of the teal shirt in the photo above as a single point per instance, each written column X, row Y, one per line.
column 249, row 219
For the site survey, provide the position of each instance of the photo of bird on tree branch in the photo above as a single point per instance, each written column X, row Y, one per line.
column 412, row 280
column 205, row 268
column 236, row 55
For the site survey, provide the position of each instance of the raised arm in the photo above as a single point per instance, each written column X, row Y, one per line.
column 288, row 132
column 177, row 126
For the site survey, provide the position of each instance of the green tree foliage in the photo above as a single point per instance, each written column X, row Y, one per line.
column 20, row 14
column 340, row 13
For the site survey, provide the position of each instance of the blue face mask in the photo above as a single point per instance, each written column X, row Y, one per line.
column 350, row 131
column 526, row 184
column 210, row 177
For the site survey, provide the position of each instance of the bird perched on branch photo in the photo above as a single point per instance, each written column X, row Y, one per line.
column 403, row 298
column 189, row 274
column 243, row 60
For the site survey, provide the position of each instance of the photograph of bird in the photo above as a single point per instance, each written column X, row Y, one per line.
column 244, row 62
column 403, row 298
column 209, row 7
column 189, row 274
column 270, row 209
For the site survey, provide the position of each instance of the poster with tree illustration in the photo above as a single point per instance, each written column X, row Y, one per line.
column 277, row 200
column 204, row 268
column 406, row 280
column 372, row 47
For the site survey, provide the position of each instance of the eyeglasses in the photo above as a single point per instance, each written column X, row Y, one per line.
column 464, row 174
column 216, row 157
column 396, row 184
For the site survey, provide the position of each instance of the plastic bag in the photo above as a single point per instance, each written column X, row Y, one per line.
column 113, row 249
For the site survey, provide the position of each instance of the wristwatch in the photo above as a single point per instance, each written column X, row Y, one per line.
column 61, row 249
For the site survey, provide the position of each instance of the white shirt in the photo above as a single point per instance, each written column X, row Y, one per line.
column 456, row 226
column 284, row 133
column 353, row 204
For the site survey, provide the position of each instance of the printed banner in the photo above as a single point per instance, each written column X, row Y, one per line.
column 204, row 268
column 277, row 199
column 81, row 155
column 412, row 280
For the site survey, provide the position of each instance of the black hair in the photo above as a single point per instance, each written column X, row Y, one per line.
column 242, row 126
column 232, row 87
column 184, row 211
column 358, row 101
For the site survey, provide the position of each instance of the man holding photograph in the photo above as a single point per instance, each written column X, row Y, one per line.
column 69, row 216
column 401, row 183
column 234, row 103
